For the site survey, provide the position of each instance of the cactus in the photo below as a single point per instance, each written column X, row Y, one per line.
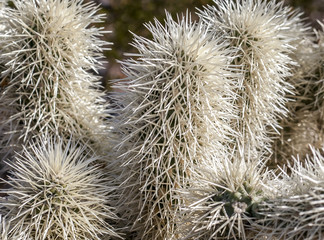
column 3, row 228
column 303, row 126
column 54, row 134
column 262, row 32
column 48, row 49
column 57, row 192
column 222, row 200
column 297, row 211
column 178, row 96
column 190, row 139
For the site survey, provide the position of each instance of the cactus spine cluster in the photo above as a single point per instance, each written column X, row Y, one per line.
column 216, row 131
column 53, row 127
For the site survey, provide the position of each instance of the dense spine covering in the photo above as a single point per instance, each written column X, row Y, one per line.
column 262, row 33
column 222, row 200
column 54, row 133
column 57, row 192
column 201, row 104
column 3, row 228
column 304, row 125
column 178, row 97
column 297, row 211
column 48, row 50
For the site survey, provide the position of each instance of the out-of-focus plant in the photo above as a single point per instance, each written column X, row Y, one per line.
column 303, row 127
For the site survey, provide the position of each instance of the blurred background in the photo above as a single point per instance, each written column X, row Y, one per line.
column 125, row 16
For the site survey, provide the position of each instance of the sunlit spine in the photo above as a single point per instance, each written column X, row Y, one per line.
column 262, row 33
column 178, row 107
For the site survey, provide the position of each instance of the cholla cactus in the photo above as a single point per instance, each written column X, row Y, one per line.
column 3, row 228
column 297, row 213
column 319, row 101
column 305, row 76
column 301, row 130
column 48, row 50
column 303, row 126
column 4, row 114
column 223, row 198
column 178, row 97
column 262, row 33
column 57, row 192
